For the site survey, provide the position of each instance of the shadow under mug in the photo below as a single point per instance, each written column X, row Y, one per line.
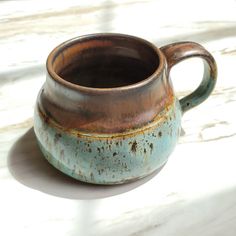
column 107, row 113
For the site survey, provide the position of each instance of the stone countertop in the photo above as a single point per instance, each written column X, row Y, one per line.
column 194, row 194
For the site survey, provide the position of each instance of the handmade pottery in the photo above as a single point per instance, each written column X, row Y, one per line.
column 107, row 113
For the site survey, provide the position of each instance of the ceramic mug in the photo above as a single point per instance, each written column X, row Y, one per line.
column 107, row 113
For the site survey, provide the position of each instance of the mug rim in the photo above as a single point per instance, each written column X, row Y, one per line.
column 54, row 53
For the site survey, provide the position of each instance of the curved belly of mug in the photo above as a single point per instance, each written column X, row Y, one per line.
column 109, row 159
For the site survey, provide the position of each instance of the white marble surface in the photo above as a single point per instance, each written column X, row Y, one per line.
column 194, row 194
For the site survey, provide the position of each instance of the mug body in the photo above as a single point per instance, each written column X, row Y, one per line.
column 107, row 113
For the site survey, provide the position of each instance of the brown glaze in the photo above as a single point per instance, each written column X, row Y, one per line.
column 180, row 51
column 177, row 52
column 105, row 110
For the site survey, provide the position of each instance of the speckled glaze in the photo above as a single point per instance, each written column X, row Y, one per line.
column 115, row 135
column 109, row 159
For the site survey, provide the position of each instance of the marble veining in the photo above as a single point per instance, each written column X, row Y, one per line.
column 194, row 194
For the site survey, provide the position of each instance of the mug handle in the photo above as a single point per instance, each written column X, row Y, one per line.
column 178, row 52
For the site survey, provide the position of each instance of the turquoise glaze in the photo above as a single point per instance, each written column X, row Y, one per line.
column 110, row 159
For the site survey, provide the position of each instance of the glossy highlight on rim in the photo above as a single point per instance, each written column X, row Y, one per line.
column 54, row 53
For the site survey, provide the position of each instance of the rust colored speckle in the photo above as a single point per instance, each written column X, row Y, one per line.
column 160, row 134
column 91, row 176
column 134, row 146
column 151, row 146
column 46, row 119
column 100, row 171
column 57, row 137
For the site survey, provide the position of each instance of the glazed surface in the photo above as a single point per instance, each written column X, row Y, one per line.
column 111, row 158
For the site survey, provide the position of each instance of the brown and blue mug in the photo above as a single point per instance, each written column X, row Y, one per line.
column 107, row 113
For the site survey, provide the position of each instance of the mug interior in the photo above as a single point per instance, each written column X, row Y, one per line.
column 105, row 61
